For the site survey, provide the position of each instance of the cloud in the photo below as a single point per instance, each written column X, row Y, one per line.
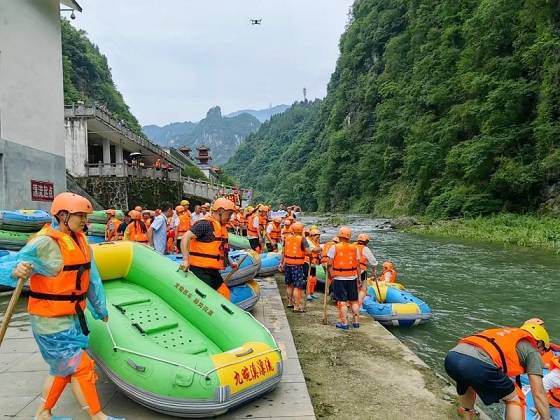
column 174, row 59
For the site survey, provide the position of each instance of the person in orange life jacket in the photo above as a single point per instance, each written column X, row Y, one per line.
column 183, row 224
column 273, row 233
column 344, row 269
column 312, row 260
column 366, row 259
column 551, row 384
column 486, row 364
column 263, row 221
column 205, row 245
column 293, row 259
column 254, row 233
column 389, row 274
column 112, row 226
column 147, row 218
column 63, row 277
column 171, row 243
column 286, row 229
column 241, row 223
column 324, row 255
column 122, row 227
column 136, row 230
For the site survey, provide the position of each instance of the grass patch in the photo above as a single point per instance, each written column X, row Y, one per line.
column 509, row 229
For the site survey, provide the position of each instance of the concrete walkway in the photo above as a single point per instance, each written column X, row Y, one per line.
column 22, row 372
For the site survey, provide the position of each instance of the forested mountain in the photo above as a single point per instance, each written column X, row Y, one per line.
column 87, row 76
column 441, row 107
column 221, row 134
column 262, row 114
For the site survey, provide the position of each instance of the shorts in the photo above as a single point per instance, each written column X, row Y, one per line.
column 294, row 275
column 255, row 243
column 243, row 231
column 210, row 276
column 488, row 381
column 345, row 290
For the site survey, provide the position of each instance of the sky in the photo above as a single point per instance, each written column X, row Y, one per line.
column 174, row 59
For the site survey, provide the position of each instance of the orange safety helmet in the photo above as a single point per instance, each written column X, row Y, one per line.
column 297, row 227
column 314, row 232
column 138, row 208
column 344, row 232
column 224, row 204
column 287, row 222
column 388, row 265
column 112, row 212
column 179, row 209
column 364, row 237
column 135, row 214
column 148, row 212
column 72, row 203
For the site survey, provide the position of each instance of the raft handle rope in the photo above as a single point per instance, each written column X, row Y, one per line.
column 204, row 375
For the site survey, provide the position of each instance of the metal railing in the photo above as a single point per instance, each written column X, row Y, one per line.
column 93, row 111
column 191, row 186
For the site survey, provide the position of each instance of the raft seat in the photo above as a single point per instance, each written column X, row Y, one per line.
column 161, row 325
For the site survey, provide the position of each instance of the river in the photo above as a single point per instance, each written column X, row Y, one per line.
column 470, row 286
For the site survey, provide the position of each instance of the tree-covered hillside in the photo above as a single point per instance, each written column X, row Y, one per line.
column 87, row 76
column 442, row 107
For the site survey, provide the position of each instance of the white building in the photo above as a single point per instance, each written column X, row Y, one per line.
column 32, row 158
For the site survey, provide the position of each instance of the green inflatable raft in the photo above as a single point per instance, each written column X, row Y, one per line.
column 172, row 343
column 13, row 240
column 238, row 241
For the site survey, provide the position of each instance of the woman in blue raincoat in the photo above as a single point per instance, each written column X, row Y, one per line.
column 62, row 278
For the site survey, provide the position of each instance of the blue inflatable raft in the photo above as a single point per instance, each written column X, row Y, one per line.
column 269, row 263
column 396, row 308
column 23, row 220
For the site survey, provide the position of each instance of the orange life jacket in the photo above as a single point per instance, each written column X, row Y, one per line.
column 553, row 395
column 275, row 232
column 500, row 344
column 325, row 251
column 314, row 257
column 345, row 261
column 263, row 220
column 65, row 293
column 111, row 229
column 293, row 252
column 184, row 223
column 209, row 254
column 389, row 276
column 135, row 232
column 251, row 231
column 242, row 221
column 147, row 222
column 363, row 259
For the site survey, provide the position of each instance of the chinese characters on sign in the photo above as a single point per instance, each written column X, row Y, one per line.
column 254, row 371
column 42, row 190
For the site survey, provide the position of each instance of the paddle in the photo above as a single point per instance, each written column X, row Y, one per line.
column 327, row 278
column 234, row 270
column 378, row 290
column 11, row 308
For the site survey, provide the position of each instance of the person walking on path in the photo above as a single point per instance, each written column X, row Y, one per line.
column 63, row 276
column 293, row 259
column 205, row 245
column 487, row 363
column 344, row 269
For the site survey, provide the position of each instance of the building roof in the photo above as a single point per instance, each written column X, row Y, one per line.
column 73, row 4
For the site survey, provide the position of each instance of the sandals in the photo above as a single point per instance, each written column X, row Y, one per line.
column 342, row 326
column 299, row 311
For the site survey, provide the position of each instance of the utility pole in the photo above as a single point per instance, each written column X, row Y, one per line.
column 304, row 94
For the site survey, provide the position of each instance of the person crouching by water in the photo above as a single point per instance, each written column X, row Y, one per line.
column 204, row 246
column 136, row 230
column 485, row 364
column 59, row 263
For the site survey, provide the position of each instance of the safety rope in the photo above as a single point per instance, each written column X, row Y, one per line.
column 159, row 359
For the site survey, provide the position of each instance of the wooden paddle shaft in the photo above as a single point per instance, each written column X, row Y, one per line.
column 11, row 308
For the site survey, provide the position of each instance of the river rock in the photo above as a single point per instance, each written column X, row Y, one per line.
column 403, row 222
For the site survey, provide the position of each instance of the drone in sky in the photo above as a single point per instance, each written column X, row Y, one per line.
column 256, row 21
